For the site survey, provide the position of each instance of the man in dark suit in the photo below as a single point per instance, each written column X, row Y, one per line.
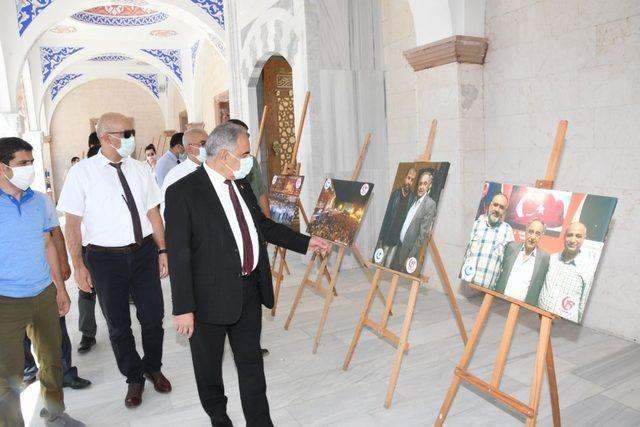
column 217, row 240
column 524, row 266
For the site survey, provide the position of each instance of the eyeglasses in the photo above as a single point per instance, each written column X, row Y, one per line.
column 125, row 133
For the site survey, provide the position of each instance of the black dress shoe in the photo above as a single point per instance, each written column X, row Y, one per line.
column 27, row 381
column 265, row 352
column 86, row 343
column 221, row 421
column 77, row 383
column 134, row 395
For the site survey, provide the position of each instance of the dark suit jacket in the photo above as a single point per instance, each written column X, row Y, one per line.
column 204, row 261
column 417, row 232
column 540, row 268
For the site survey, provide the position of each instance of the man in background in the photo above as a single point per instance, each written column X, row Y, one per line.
column 150, row 155
column 172, row 158
column 32, row 291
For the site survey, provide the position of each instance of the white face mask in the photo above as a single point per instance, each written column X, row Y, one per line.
column 127, row 146
column 202, row 155
column 23, row 176
column 246, row 163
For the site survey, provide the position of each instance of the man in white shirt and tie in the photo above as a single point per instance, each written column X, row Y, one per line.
column 193, row 141
column 417, row 225
column 116, row 199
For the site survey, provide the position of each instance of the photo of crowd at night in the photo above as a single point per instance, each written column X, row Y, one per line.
column 339, row 210
column 283, row 198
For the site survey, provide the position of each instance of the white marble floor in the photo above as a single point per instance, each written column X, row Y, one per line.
column 598, row 375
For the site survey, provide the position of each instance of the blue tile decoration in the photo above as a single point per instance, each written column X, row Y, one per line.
column 194, row 54
column 60, row 82
column 149, row 80
column 28, row 10
column 169, row 57
column 215, row 9
column 119, row 21
column 110, row 57
column 51, row 57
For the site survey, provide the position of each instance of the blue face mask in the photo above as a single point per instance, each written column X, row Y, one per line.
column 202, row 155
column 127, row 146
column 246, row 163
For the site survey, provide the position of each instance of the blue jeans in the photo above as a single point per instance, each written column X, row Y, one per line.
column 30, row 367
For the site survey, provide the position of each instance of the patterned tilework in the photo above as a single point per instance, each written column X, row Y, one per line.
column 170, row 58
column 215, row 9
column 28, row 10
column 60, row 82
column 119, row 21
column 109, row 57
column 218, row 43
column 149, row 80
column 194, row 54
column 51, row 57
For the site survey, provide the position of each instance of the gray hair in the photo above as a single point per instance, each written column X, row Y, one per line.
column 224, row 137
column 191, row 132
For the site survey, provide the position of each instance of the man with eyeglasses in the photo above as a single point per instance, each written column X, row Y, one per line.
column 116, row 198
column 193, row 141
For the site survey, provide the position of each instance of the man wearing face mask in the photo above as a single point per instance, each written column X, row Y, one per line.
column 220, row 274
column 116, row 199
column 172, row 158
column 32, row 291
column 193, row 140
column 485, row 250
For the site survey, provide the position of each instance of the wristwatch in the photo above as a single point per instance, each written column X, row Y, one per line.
column 162, row 251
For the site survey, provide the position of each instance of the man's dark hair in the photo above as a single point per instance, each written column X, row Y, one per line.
column 10, row 146
column 176, row 139
column 239, row 123
column 75, row 159
column 150, row 147
column 94, row 140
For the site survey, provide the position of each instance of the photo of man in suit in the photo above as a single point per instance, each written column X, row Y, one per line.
column 220, row 276
column 399, row 203
column 524, row 266
column 417, row 224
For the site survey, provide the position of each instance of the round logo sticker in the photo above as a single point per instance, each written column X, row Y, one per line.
column 273, row 181
column 568, row 304
column 298, row 183
column 412, row 263
column 468, row 271
column 327, row 184
column 377, row 256
column 364, row 189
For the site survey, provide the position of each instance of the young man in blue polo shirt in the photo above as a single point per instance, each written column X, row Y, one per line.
column 32, row 292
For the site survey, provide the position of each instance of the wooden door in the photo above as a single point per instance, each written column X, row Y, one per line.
column 277, row 90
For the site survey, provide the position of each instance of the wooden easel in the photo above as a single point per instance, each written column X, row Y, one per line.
column 332, row 277
column 544, row 353
column 401, row 342
column 291, row 168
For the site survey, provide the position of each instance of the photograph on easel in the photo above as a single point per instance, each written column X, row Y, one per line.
column 538, row 246
column 283, row 198
column 409, row 217
column 339, row 210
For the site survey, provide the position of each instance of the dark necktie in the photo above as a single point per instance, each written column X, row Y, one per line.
column 131, row 203
column 247, row 246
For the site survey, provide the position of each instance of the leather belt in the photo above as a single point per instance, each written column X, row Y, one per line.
column 120, row 249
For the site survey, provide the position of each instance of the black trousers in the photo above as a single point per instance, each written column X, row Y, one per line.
column 87, row 310
column 114, row 277
column 207, row 348
column 30, row 367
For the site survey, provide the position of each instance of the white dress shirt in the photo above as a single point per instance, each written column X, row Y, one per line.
column 520, row 276
column 412, row 212
column 175, row 174
column 223, row 194
column 93, row 191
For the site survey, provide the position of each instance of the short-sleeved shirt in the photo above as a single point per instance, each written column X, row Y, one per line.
column 483, row 257
column 93, row 191
column 175, row 174
column 24, row 271
column 255, row 180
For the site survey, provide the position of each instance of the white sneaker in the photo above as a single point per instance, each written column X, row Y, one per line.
column 59, row 420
